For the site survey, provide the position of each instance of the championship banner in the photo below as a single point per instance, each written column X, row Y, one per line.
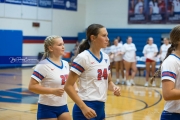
column 173, row 11
column 136, row 12
column 59, row 4
column 71, row 5
column 45, row 3
column 154, row 11
column 30, row 2
column 13, row 1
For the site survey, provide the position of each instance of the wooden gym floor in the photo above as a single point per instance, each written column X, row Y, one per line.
column 136, row 102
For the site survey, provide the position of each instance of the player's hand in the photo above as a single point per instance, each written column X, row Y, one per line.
column 117, row 91
column 88, row 112
column 58, row 91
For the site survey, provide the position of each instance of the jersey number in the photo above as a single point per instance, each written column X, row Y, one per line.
column 102, row 74
column 63, row 78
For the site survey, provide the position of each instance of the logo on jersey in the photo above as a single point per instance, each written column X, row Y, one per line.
column 105, row 60
column 92, row 62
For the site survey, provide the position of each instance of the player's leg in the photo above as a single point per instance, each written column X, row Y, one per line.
column 122, row 69
column 147, row 73
column 153, row 68
column 117, row 72
column 127, row 66
column 63, row 113
column 65, row 116
column 134, row 69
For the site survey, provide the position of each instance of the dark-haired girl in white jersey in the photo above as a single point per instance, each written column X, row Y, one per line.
column 91, row 66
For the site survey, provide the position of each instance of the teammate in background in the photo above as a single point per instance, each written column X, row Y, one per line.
column 150, row 51
column 91, row 67
column 129, row 50
column 139, row 7
column 153, row 7
column 164, row 48
column 108, row 51
column 48, row 80
column 118, row 60
column 176, row 7
column 163, row 51
column 119, row 40
column 171, row 78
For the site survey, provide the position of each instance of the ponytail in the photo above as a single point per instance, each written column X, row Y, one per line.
column 45, row 55
column 83, row 46
column 158, row 72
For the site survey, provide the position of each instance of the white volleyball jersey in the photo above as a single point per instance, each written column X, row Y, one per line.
column 176, row 5
column 129, row 52
column 154, row 7
column 50, row 75
column 108, row 51
column 170, row 71
column 150, row 51
column 164, row 49
column 138, row 6
column 93, row 75
column 116, row 50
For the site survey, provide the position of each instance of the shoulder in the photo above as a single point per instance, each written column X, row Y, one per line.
column 171, row 58
column 42, row 65
column 154, row 45
column 83, row 55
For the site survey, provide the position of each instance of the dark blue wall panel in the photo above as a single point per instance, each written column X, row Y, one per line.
column 11, row 45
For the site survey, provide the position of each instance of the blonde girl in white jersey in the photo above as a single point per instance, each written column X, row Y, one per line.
column 129, row 50
column 48, row 80
column 170, row 76
column 91, row 67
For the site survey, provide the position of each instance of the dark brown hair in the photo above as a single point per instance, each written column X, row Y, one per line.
column 93, row 29
column 175, row 39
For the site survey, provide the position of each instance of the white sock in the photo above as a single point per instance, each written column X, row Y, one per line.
column 117, row 80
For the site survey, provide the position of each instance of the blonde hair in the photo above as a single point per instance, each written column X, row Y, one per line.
column 49, row 41
column 175, row 39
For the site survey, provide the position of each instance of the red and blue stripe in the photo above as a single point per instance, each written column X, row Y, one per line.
column 78, row 67
column 38, row 75
column 168, row 74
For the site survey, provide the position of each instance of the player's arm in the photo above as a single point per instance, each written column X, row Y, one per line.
column 112, row 86
column 35, row 87
column 76, row 87
column 168, row 90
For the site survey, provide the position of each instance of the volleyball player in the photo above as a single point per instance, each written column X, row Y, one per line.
column 48, row 80
column 91, row 67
